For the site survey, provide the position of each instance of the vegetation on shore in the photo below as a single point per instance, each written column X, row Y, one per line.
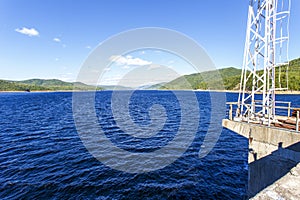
column 229, row 79
column 226, row 78
column 43, row 85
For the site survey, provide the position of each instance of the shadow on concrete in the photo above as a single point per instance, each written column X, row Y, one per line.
column 265, row 171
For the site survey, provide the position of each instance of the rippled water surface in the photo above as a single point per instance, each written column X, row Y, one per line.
column 42, row 156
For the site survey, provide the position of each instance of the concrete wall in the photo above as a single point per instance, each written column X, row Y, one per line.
column 273, row 152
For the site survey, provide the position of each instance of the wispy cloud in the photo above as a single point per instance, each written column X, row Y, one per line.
column 111, row 80
column 28, row 31
column 56, row 40
column 150, row 67
column 125, row 67
column 69, row 77
column 129, row 61
column 171, row 62
column 107, row 69
column 88, row 47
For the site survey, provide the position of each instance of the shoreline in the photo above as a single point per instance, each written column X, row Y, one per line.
column 198, row 90
column 37, row 91
column 237, row 91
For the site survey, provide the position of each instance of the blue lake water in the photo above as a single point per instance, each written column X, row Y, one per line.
column 42, row 156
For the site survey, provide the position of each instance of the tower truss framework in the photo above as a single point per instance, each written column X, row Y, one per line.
column 266, row 50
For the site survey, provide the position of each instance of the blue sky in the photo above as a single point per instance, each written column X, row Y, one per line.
column 60, row 34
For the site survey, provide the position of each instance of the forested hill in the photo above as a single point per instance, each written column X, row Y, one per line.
column 231, row 79
column 205, row 80
column 42, row 85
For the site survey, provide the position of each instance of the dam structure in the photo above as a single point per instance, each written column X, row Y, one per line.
column 272, row 127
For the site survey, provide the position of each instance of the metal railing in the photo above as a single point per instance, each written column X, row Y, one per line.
column 245, row 116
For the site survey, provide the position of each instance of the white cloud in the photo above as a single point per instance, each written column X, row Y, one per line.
column 56, row 40
column 129, row 60
column 111, row 80
column 154, row 67
column 88, row 47
column 68, row 77
column 107, row 69
column 125, row 67
column 171, row 62
column 26, row 31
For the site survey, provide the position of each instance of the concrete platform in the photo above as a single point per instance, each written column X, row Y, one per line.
column 286, row 187
column 273, row 154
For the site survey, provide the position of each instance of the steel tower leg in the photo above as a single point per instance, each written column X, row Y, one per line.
column 265, row 49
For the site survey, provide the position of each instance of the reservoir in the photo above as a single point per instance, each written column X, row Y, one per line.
column 42, row 155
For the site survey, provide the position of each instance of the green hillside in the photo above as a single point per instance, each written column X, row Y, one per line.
column 293, row 75
column 231, row 79
column 43, row 85
column 207, row 80
column 292, row 71
column 115, row 87
column 46, row 82
column 16, row 86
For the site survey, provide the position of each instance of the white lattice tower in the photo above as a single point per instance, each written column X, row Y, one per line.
column 266, row 49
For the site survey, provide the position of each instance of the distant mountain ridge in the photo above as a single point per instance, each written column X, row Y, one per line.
column 43, row 85
column 231, row 78
column 115, row 87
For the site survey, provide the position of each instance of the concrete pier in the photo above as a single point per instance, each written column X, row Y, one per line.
column 274, row 154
